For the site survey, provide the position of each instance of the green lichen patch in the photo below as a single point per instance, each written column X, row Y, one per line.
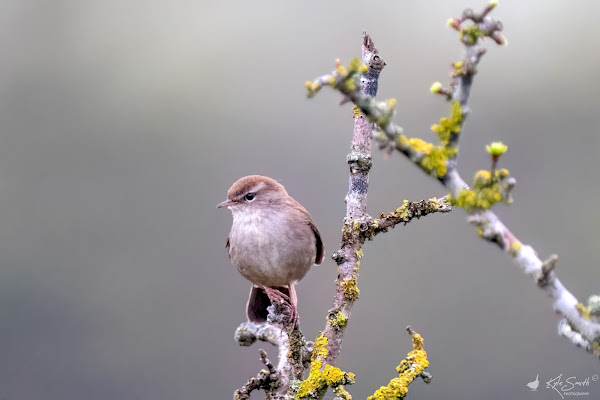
column 350, row 231
column 449, row 125
column 337, row 320
column 434, row 158
column 485, row 193
column 435, row 161
column 484, row 179
column 350, row 85
column 419, row 145
column 356, row 66
column 350, row 288
column 296, row 344
column 344, row 79
column 484, row 198
column 402, row 211
column 470, row 34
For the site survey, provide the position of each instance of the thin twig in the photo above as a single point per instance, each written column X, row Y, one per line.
column 266, row 379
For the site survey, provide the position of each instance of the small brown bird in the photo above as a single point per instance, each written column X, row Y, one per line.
column 273, row 242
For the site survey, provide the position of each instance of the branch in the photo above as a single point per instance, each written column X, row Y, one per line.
column 576, row 325
column 358, row 225
column 294, row 353
column 358, row 231
column 439, row 161
column 412, row 367
column 248, row 333
column 359, row 161
column 266, row 379
column 410, row 210
column 328, row 344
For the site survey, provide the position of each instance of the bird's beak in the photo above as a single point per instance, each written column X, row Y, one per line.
column 226, row 203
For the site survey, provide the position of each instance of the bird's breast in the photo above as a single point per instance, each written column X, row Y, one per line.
column 268, row 249
column 252, row 236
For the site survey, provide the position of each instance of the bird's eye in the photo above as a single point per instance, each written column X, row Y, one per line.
column 250, row 196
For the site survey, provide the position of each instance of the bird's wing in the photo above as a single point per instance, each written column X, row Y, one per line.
column 305, row 215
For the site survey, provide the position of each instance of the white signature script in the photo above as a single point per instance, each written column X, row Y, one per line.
column 567, row 385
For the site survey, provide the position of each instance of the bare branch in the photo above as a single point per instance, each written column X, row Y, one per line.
column 266, row 379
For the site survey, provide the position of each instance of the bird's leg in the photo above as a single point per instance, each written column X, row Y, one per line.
column 276, row 295
column 294, row 304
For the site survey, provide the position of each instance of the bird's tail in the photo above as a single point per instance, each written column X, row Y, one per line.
column 258, row 301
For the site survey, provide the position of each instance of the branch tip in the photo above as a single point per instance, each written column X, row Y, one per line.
column 266, row 379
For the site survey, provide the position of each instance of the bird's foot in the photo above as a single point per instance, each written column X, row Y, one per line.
column 283, row 312
column 276, row 295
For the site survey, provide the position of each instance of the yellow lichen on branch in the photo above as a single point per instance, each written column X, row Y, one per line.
column 342, row 78
column 319, row 380
column 351, row 290
column 449, row 125
column 434, row 159
column 486, row 191
column 410, row 368
column 337, row 320
column 470, row 34
column 583, row 311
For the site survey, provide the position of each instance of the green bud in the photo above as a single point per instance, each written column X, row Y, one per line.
column 496, row 148
column 436, row 87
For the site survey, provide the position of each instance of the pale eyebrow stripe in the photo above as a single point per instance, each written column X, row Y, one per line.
column 257, row 187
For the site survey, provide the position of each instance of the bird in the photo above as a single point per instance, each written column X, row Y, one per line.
column 534, row 385
column 273, row 242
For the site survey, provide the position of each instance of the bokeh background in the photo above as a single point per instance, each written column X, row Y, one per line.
column 123, row 124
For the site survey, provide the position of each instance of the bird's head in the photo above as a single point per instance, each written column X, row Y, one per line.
column 252, row 192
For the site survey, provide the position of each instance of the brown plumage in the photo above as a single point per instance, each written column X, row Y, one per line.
column 273, row 241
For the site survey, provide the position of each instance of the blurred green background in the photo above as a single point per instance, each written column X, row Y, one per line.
column 123, row 124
